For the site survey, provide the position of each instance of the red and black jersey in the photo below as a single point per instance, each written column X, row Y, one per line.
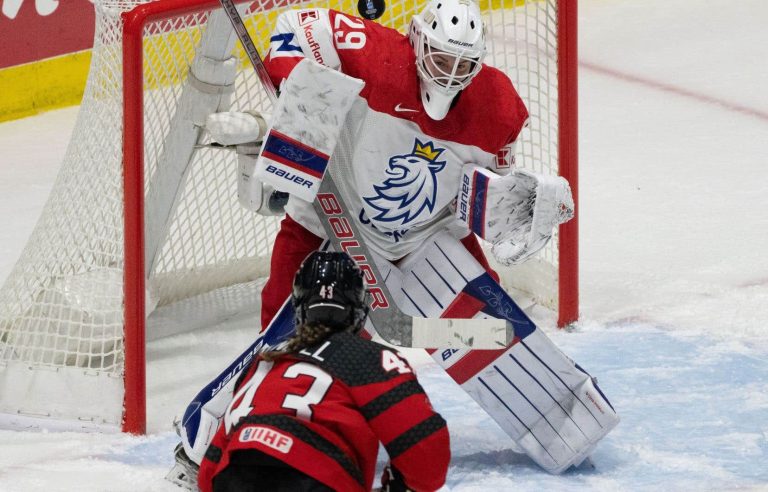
column 324, row 410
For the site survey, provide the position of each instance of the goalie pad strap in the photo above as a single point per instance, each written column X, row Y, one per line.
column 206, row 88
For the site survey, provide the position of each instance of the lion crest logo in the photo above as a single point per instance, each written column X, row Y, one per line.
column 411, row 186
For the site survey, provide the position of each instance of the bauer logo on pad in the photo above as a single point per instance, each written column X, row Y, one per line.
column 478, row 203
column 298, row 167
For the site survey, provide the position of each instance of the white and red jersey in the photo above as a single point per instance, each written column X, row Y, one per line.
column 400, row 170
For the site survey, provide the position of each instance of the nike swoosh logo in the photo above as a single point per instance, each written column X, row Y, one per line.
column 405, row 110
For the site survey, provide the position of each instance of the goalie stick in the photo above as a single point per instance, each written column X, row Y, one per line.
column 389, row 322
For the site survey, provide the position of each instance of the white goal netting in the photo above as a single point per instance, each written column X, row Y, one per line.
column 61, row 308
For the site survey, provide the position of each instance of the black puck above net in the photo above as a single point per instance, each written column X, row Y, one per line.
column 371, row 9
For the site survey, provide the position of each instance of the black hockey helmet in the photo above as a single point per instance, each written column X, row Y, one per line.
column 329, row 289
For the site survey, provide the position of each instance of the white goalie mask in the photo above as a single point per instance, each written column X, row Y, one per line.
column 448, row 37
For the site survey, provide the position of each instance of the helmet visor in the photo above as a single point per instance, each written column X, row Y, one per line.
column 451, row 70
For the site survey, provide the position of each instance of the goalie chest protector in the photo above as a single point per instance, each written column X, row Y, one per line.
column 402, row 169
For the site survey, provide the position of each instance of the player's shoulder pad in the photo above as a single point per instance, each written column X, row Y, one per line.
column 350, row 358
column 493, row 91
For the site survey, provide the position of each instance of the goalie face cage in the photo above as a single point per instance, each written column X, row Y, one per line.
column 140, row 216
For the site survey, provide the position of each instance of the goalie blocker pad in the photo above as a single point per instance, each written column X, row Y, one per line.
column 310, row 112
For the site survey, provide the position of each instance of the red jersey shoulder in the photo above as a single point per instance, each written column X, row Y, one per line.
column 382, row 57
column 355, row 361
column 492, row 106
column 488, row 114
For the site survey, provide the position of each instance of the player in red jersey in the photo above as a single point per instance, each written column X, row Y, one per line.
column 310, row 416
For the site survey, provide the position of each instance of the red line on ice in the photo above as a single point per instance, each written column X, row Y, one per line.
column 674, row 90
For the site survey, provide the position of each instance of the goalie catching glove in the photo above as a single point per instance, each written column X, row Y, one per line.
column 516, row 213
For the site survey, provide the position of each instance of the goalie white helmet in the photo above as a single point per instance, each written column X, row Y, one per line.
column 448, row 37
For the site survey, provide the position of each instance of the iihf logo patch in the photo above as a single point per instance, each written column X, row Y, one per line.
column 267, row 436
column 411, row 187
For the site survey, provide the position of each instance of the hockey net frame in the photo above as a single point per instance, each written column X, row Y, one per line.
column 551, row 137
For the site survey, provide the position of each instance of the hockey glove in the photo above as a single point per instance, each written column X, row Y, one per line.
column 517, row 213
column 236, row 128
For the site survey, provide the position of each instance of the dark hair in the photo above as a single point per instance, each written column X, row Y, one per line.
column 307, row 335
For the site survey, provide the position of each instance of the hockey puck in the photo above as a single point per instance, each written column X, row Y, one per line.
column 371, row 9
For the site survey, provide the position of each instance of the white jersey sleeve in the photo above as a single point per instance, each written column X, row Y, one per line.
column 300, row 34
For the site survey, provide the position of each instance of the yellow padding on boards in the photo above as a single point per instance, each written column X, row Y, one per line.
column 43, row 85
column 60, row 81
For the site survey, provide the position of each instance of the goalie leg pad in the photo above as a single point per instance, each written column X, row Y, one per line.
column 549, row 407
column 547, row 404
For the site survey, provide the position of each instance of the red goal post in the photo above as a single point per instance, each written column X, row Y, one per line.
column 568, row 165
